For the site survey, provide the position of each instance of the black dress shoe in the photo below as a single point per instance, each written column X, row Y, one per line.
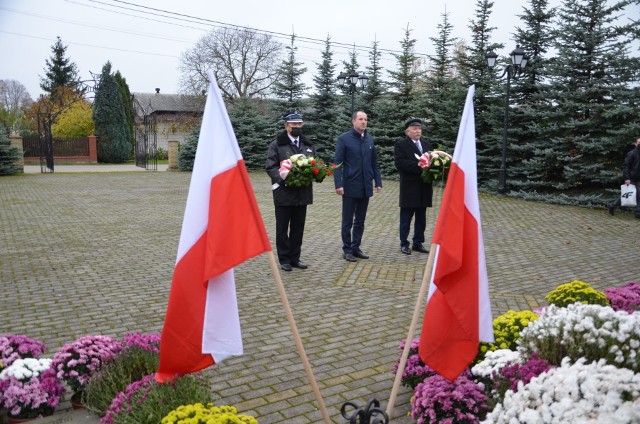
column 405, row 250
column 285, row 267
column 299, row 264
column 419, row 248
column 349, row 257
column 359, row 254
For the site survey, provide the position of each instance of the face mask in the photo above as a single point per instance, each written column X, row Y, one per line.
column 296, row 131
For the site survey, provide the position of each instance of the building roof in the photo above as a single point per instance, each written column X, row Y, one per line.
column 164, row 103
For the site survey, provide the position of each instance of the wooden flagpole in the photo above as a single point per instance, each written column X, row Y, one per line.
column 296, row 337
column 426, row 279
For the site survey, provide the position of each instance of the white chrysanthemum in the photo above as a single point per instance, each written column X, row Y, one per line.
column 592, row 331
column 494, row 361
column 578, row 392
column 24, row 369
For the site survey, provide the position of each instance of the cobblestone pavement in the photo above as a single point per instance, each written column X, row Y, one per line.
column 93, row 253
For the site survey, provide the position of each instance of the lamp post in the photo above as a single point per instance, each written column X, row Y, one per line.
column 518, row 62
column 350, row 82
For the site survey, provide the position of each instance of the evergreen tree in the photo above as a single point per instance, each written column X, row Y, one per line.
column 324, row 124
column 289, row 85
column 444, row 94
column 397, row 106
column 404, row 81
column 9, row 155
column 60, row 71
column 113, row 141
column 375, row 86
column 127, row 104
column 254, row 130
column 595, row 105
column 187, row 152
column 530, row 155
column 489, row 95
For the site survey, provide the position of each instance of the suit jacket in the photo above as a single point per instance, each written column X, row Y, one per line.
column 358, row 166
column 414, row 193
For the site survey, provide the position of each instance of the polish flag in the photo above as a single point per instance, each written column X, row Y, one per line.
column 222, row 227
column 458, row 311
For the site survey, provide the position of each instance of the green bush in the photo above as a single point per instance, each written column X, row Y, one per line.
column 129, row 366
column 576, row 291
column 146, row 401
column 162, row 154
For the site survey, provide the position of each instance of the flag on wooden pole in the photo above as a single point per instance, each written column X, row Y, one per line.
column 222, row 227
column 458, row 311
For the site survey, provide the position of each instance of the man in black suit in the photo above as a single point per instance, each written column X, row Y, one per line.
column 415, row 194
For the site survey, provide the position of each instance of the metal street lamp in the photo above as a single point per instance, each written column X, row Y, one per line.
column 518, row 62
column 350, row 82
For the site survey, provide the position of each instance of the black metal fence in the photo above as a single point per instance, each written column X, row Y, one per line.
column 62, row 147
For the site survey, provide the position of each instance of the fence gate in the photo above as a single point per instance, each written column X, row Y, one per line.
column 145, row 136
column 46, row 142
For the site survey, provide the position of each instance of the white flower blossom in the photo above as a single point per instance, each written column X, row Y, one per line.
column 25, row 368
column 590, row 331
column 494, row 361
column 574, row 393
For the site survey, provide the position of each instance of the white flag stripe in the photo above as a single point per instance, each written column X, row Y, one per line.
column 217, row 152
column 220, row 335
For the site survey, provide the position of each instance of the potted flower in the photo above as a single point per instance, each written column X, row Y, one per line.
column 14, row 347
column 202, row 414
column 29, row 389
column 76, row 362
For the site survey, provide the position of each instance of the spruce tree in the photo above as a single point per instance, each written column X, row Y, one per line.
column 489, row 96
column 254, row 130
column 9, row 155
column 324, row 124
column 375, row 86
column 592, row 81
column 397, row 106
column 444, row 93
column 531, row 157
column 109, row 116
column 289, row 85
column 60, row 71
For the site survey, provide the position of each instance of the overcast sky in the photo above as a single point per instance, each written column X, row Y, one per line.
column 144, row 43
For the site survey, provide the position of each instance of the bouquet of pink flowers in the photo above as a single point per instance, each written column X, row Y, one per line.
column 302, row 171
column 29, row 388
column 14, row 347
column 76, row 362
column 434, row 165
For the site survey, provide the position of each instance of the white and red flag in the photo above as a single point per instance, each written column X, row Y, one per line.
column 222, row 227
column 458, row 311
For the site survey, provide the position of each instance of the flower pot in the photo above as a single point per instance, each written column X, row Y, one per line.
column 12, row 420
column 76, row 401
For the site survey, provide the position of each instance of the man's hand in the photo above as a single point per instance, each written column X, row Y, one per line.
column 340, row 191
column 378, row 189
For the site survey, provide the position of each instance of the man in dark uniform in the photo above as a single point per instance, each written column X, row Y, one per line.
column 415, row 194
column 290, row 202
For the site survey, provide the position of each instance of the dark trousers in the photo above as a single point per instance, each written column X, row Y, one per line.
column 354, row 212
column 289, row 232
column 419, row 225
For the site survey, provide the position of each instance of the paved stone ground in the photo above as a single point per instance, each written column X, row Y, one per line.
column 93, row 253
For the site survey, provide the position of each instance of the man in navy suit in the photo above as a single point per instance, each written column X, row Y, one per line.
column 415, row 194
column 354, row 180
